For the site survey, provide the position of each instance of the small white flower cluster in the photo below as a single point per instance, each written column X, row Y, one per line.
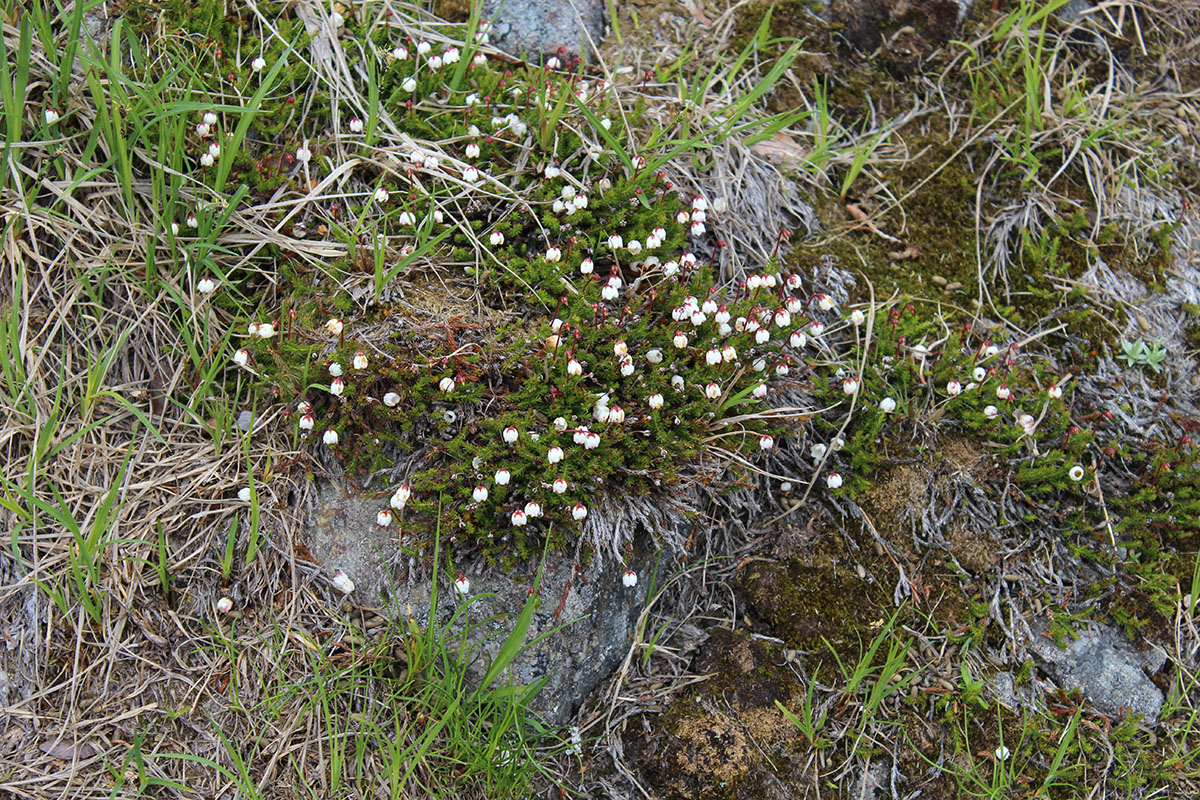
column 991, row 367
column 510, row 123
column 554, row 455
column 979, row 377
column 205, row 128
column 569, row 200
column 255, row 330
column 718, row 349
column 434, row 61
column 818, row 451
column 530, row 510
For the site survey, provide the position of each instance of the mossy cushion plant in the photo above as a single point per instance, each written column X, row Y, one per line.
column 919, row 370
column 626, row 379
column 609, row 361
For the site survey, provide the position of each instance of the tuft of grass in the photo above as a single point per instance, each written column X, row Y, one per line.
column 404, row 714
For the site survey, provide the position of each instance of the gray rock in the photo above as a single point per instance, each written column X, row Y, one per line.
column 1004, row 689
column 867, row 784
column 595, row 611
column 533, row 28
column 1111, row 672
column 23, row 612
column 1073, row 11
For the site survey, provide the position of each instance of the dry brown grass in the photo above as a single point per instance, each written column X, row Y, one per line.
column 76, row 694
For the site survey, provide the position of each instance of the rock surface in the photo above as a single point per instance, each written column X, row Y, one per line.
column 533, row 28
column 590, row 601
column 1109, row 670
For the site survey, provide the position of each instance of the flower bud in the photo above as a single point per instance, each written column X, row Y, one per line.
column 400, row 496
column 343, row 583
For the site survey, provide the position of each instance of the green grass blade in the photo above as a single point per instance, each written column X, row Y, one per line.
column 516, row 639
column 247, row 115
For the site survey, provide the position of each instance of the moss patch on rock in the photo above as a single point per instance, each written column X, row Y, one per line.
column 813, row 608
column 712, row 738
